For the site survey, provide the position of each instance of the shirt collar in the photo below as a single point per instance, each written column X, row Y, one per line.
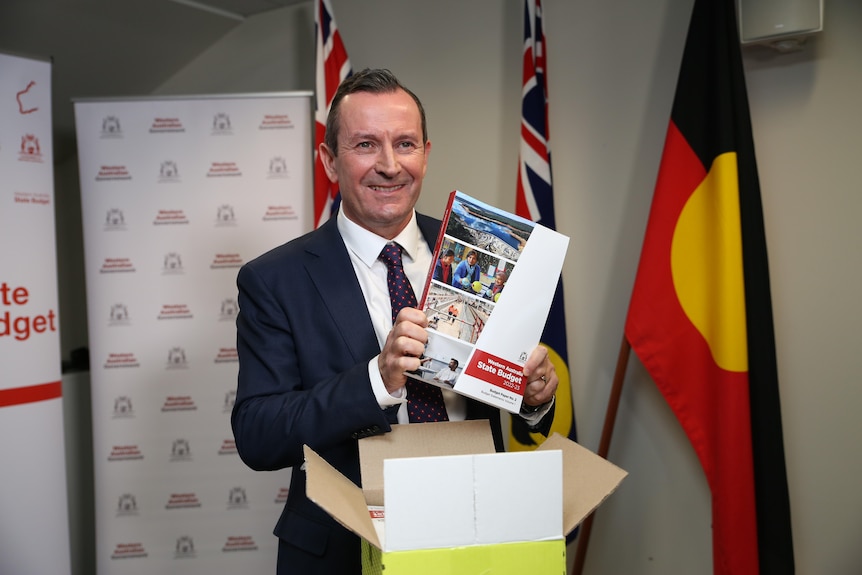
column 367, row 245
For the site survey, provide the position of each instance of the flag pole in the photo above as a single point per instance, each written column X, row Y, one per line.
column 604, row 446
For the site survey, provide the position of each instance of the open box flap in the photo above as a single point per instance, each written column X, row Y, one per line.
column 339, row 496
column 588, row 479
column 423, row 440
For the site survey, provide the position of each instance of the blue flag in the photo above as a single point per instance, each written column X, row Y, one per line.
column 535, row 201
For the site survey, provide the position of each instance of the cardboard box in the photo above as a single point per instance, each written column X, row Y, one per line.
column 455, row 507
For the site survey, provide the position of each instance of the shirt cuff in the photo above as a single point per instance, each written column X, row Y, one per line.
column 384, row 398
column 533, row 419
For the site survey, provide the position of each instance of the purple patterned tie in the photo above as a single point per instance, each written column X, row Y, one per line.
column 424, row 401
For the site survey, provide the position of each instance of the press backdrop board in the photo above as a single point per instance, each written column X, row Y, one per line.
column 177, row 194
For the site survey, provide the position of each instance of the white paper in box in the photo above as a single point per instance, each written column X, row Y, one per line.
column 457, row 501
column 428, row 502
column 519, row 496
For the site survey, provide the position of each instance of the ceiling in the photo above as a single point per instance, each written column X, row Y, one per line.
column 115, row 48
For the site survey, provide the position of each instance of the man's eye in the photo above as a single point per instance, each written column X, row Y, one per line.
column 406, row 145
column 363, row 147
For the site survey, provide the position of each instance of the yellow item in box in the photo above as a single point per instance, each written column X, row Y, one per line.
column 531, row 557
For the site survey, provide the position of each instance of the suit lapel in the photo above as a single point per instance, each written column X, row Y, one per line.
column 326, row 261
column 331, row 272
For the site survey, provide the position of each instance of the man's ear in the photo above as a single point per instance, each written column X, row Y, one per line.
column 328, row 160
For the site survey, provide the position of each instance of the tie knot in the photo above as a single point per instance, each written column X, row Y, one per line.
column 391, row 255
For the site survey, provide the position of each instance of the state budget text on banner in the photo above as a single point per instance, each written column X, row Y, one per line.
column 31, row 415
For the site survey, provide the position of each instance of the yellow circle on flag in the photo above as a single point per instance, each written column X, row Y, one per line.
column 706, row 264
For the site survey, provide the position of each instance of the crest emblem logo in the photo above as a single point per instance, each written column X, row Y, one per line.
column 111, row 127
column 118, row 314
column 115, row 219
column 173, row 263
column 229, row 400
column 221, row 123
column 237, row 498
column 30, row 145
column 180, row 450
column 168, row 171
column 229, row 309
column 225, row 215
column 278, row 167
column 185, row 547
column 123, row 407
column 127, row 505
column 177, row 358
column 30, row 150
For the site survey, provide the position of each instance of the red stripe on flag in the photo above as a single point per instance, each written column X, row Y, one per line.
column 537, row 145
column 332, row 66
column 30, row 394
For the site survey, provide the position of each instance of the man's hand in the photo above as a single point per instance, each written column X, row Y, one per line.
column 541, row 378
column 404, row 344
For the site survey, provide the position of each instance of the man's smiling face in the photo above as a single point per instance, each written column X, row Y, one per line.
column 381, row 160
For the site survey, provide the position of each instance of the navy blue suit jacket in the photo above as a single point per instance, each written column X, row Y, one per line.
column 304, row 339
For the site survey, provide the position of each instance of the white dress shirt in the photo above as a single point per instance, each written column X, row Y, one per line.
column 364, row 248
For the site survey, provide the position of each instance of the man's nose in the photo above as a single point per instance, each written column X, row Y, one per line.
column 387, row 161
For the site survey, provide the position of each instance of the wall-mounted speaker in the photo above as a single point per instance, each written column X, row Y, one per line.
column 772, row 21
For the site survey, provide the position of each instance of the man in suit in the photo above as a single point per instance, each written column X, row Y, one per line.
column 321, row 360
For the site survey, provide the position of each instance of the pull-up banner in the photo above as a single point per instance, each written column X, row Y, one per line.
column 34, row 530
column 177, row 194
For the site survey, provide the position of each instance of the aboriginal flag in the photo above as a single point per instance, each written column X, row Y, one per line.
column 700, row 318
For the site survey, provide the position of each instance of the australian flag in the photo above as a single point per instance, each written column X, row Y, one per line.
column 535, row 201
column 332, row 67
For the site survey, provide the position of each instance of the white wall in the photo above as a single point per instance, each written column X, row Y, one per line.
column 612, row 73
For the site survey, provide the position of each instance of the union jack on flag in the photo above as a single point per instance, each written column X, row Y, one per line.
column 535, row 200
column 535, row 194
column 331, row 68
